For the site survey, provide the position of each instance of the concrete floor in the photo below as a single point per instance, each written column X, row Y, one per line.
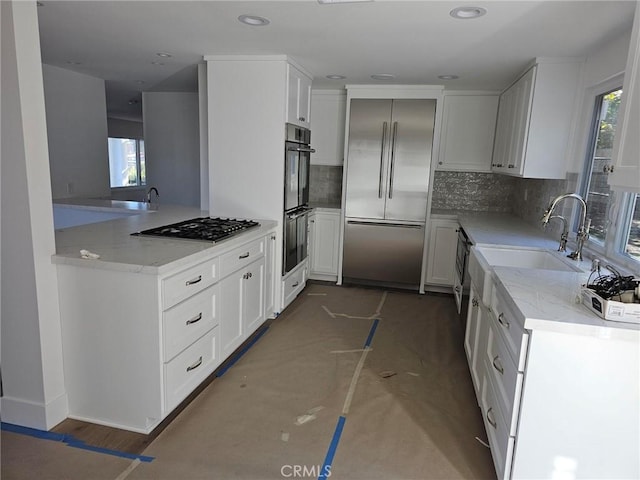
column 357, row 383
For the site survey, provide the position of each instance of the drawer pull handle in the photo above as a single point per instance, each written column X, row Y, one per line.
column 246, row 255
column 194, row 281
column 195, row 365
column 295, row 285
column 195, row 319
column 498, row 366
column 502, row 321
column 491, row 422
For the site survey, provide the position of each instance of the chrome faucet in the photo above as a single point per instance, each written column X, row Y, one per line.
column 583, row 229
column 565, row 232
column 152, row 189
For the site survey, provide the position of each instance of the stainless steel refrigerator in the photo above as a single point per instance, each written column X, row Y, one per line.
column 388, row 165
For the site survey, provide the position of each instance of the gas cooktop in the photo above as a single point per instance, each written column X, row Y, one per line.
column 202, row 228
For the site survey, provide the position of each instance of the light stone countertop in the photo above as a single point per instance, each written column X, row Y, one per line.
column 119, row 250
column 545, row 299
column 504, row 229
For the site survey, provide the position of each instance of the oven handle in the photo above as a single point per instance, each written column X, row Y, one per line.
column 293, row 216
column 301, row 149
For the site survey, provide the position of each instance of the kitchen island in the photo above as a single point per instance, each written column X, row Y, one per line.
column 149, row 319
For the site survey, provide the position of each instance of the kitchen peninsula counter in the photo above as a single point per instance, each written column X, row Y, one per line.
column 119, row 250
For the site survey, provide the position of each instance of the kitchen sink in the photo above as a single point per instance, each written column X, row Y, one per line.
column 525, row 258
column 484, row 258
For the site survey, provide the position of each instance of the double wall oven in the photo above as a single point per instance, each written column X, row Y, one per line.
column 296, row 195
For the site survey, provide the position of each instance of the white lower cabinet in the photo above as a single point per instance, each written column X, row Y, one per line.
column 185, row 372
column 324, row 231
column 441, row 264
column 556, row 402
column 242, row 299
column 294, row 282
column 136, row 344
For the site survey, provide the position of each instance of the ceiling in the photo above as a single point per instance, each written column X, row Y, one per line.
column 414, row 40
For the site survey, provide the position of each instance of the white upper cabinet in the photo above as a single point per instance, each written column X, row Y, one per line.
column 328, row 109
column 535, row 120
column 468, row 127
column 626, row 147
column 298, row 97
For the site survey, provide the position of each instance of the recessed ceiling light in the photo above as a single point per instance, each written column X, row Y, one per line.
column 383, row 76
column 73, row 62
column 448, row 77
column 253, row 20
column 466, row 13
column 336, row 77
column 164, row 55
column 157, row 63
column 140, row 82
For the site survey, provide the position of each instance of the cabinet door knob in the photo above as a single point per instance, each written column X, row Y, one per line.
column 607, row 169
column 475, row 302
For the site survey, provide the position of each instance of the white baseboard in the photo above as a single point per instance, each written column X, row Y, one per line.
column 34, row 414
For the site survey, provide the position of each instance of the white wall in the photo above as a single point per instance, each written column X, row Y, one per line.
column 172, row 146
column 34, row 393
column 77, row 132
column 117, row 127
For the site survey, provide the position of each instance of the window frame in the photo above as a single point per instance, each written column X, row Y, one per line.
column 139, row 184
column 620, row 210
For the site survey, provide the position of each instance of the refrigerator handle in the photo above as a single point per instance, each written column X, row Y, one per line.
column 393, row 157
column 384, row 141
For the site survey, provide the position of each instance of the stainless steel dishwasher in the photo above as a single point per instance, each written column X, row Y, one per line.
column 461, row 285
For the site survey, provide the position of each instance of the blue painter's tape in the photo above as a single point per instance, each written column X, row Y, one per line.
column 237, row 357
column 333, row 446
column 371, row 333
column 32, row 432
column 70, row 441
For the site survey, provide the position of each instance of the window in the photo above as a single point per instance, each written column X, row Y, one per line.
column 126, row 162
column 615, row 216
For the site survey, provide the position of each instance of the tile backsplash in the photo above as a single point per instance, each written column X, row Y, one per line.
column 483, row 192
column 526, row 198
column 325, row 185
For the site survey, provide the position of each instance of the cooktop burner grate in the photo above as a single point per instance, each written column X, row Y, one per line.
column 202, row 228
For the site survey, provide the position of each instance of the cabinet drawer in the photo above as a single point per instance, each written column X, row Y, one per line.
column 293, row 285
column 185, row 372
column 510, row 327
column 241, row 256
column 182, row 285
column 503, row 374
column 500, row 441
column 186, row 322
